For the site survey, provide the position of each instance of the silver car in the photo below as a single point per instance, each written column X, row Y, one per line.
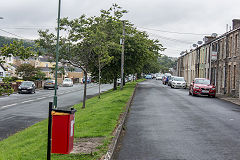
column 178, row 82
column 170, row 80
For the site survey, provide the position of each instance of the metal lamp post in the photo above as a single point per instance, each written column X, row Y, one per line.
column 57, row 53
column 55, row 93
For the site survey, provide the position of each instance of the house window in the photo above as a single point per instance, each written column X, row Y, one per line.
column 230, row 47
column 220, row 50
column 234, row 77
column 223, row 48
column 1, row 74
column 46, row 64
column 223, row 76
column 236, row 44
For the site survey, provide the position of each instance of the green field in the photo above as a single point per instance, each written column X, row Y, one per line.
column 98, row 119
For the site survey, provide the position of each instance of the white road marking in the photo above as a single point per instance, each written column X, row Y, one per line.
column 9, row 105
column 10, row 117
column 31, row 100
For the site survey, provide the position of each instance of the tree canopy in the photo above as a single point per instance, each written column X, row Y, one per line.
column 93, row 44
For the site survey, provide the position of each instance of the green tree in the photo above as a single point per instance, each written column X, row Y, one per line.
column 6, row 87
column 16, row 49
column 166, row 63
column 27, row 71
column 87, row 42
column 39, row 75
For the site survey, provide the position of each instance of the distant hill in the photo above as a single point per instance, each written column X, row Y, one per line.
column 166, row 63
column 8, row 40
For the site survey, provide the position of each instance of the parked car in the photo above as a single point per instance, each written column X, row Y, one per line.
column 67, row 82
column 148, row 76
column 26, row 87
column 154, row 75
column 170, row 80
column 202, row 86
column 178, row 82
column 88, row 80
column 159, row 77
column 49, row 84
column 119, row 80
column 166, row 79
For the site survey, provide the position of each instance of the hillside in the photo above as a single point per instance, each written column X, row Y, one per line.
column 8, row 40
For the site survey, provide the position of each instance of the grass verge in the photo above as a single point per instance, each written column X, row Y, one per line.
column 98, row 119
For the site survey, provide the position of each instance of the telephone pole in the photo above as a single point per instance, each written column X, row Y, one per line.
column 122, row 56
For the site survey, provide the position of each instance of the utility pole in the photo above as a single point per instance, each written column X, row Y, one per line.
column 122, row 56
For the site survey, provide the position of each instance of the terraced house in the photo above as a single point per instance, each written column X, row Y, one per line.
column 218, row 59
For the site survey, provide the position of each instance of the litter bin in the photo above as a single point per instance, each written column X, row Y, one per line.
column 62, row 131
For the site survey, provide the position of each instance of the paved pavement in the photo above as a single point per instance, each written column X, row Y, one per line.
column 19, row 111
column 168, row 124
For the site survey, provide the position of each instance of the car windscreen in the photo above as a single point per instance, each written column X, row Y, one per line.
column 202, row 81
column 67, row 80
column 178, row 79
column 26, row 84
column 49, row 81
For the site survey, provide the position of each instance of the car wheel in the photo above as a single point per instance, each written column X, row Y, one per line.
column 171, row 86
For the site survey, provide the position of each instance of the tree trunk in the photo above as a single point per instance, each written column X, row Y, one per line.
column 99, row 78
column 138, row 75
column 115, row 84
column 85, row 90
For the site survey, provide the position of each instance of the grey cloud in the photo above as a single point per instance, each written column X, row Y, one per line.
column 205, row 16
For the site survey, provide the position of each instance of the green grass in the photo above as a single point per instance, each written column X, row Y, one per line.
column 98, row 119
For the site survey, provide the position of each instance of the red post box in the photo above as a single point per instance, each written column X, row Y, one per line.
column 62, row 131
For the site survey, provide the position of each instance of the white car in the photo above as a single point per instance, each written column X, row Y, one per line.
column 158, row 78
column 178, row 82
column 67, row 82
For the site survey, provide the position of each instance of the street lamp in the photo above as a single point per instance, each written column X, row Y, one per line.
column 57, row 53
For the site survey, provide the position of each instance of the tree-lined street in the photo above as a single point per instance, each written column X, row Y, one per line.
column 168, row 124
column 19, row 111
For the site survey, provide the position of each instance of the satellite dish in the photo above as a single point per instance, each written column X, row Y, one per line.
column 214, row 35
column 194, row 45
column 199, row 42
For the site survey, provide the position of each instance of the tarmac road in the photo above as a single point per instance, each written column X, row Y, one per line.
column 19, row 111
column 168, row 124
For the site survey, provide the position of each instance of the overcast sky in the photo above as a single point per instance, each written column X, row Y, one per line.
column 170, row 21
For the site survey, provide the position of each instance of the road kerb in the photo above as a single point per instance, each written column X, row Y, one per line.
column 118, row 130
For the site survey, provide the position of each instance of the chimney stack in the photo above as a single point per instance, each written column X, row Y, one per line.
column 207, row 39
column 236, row 23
